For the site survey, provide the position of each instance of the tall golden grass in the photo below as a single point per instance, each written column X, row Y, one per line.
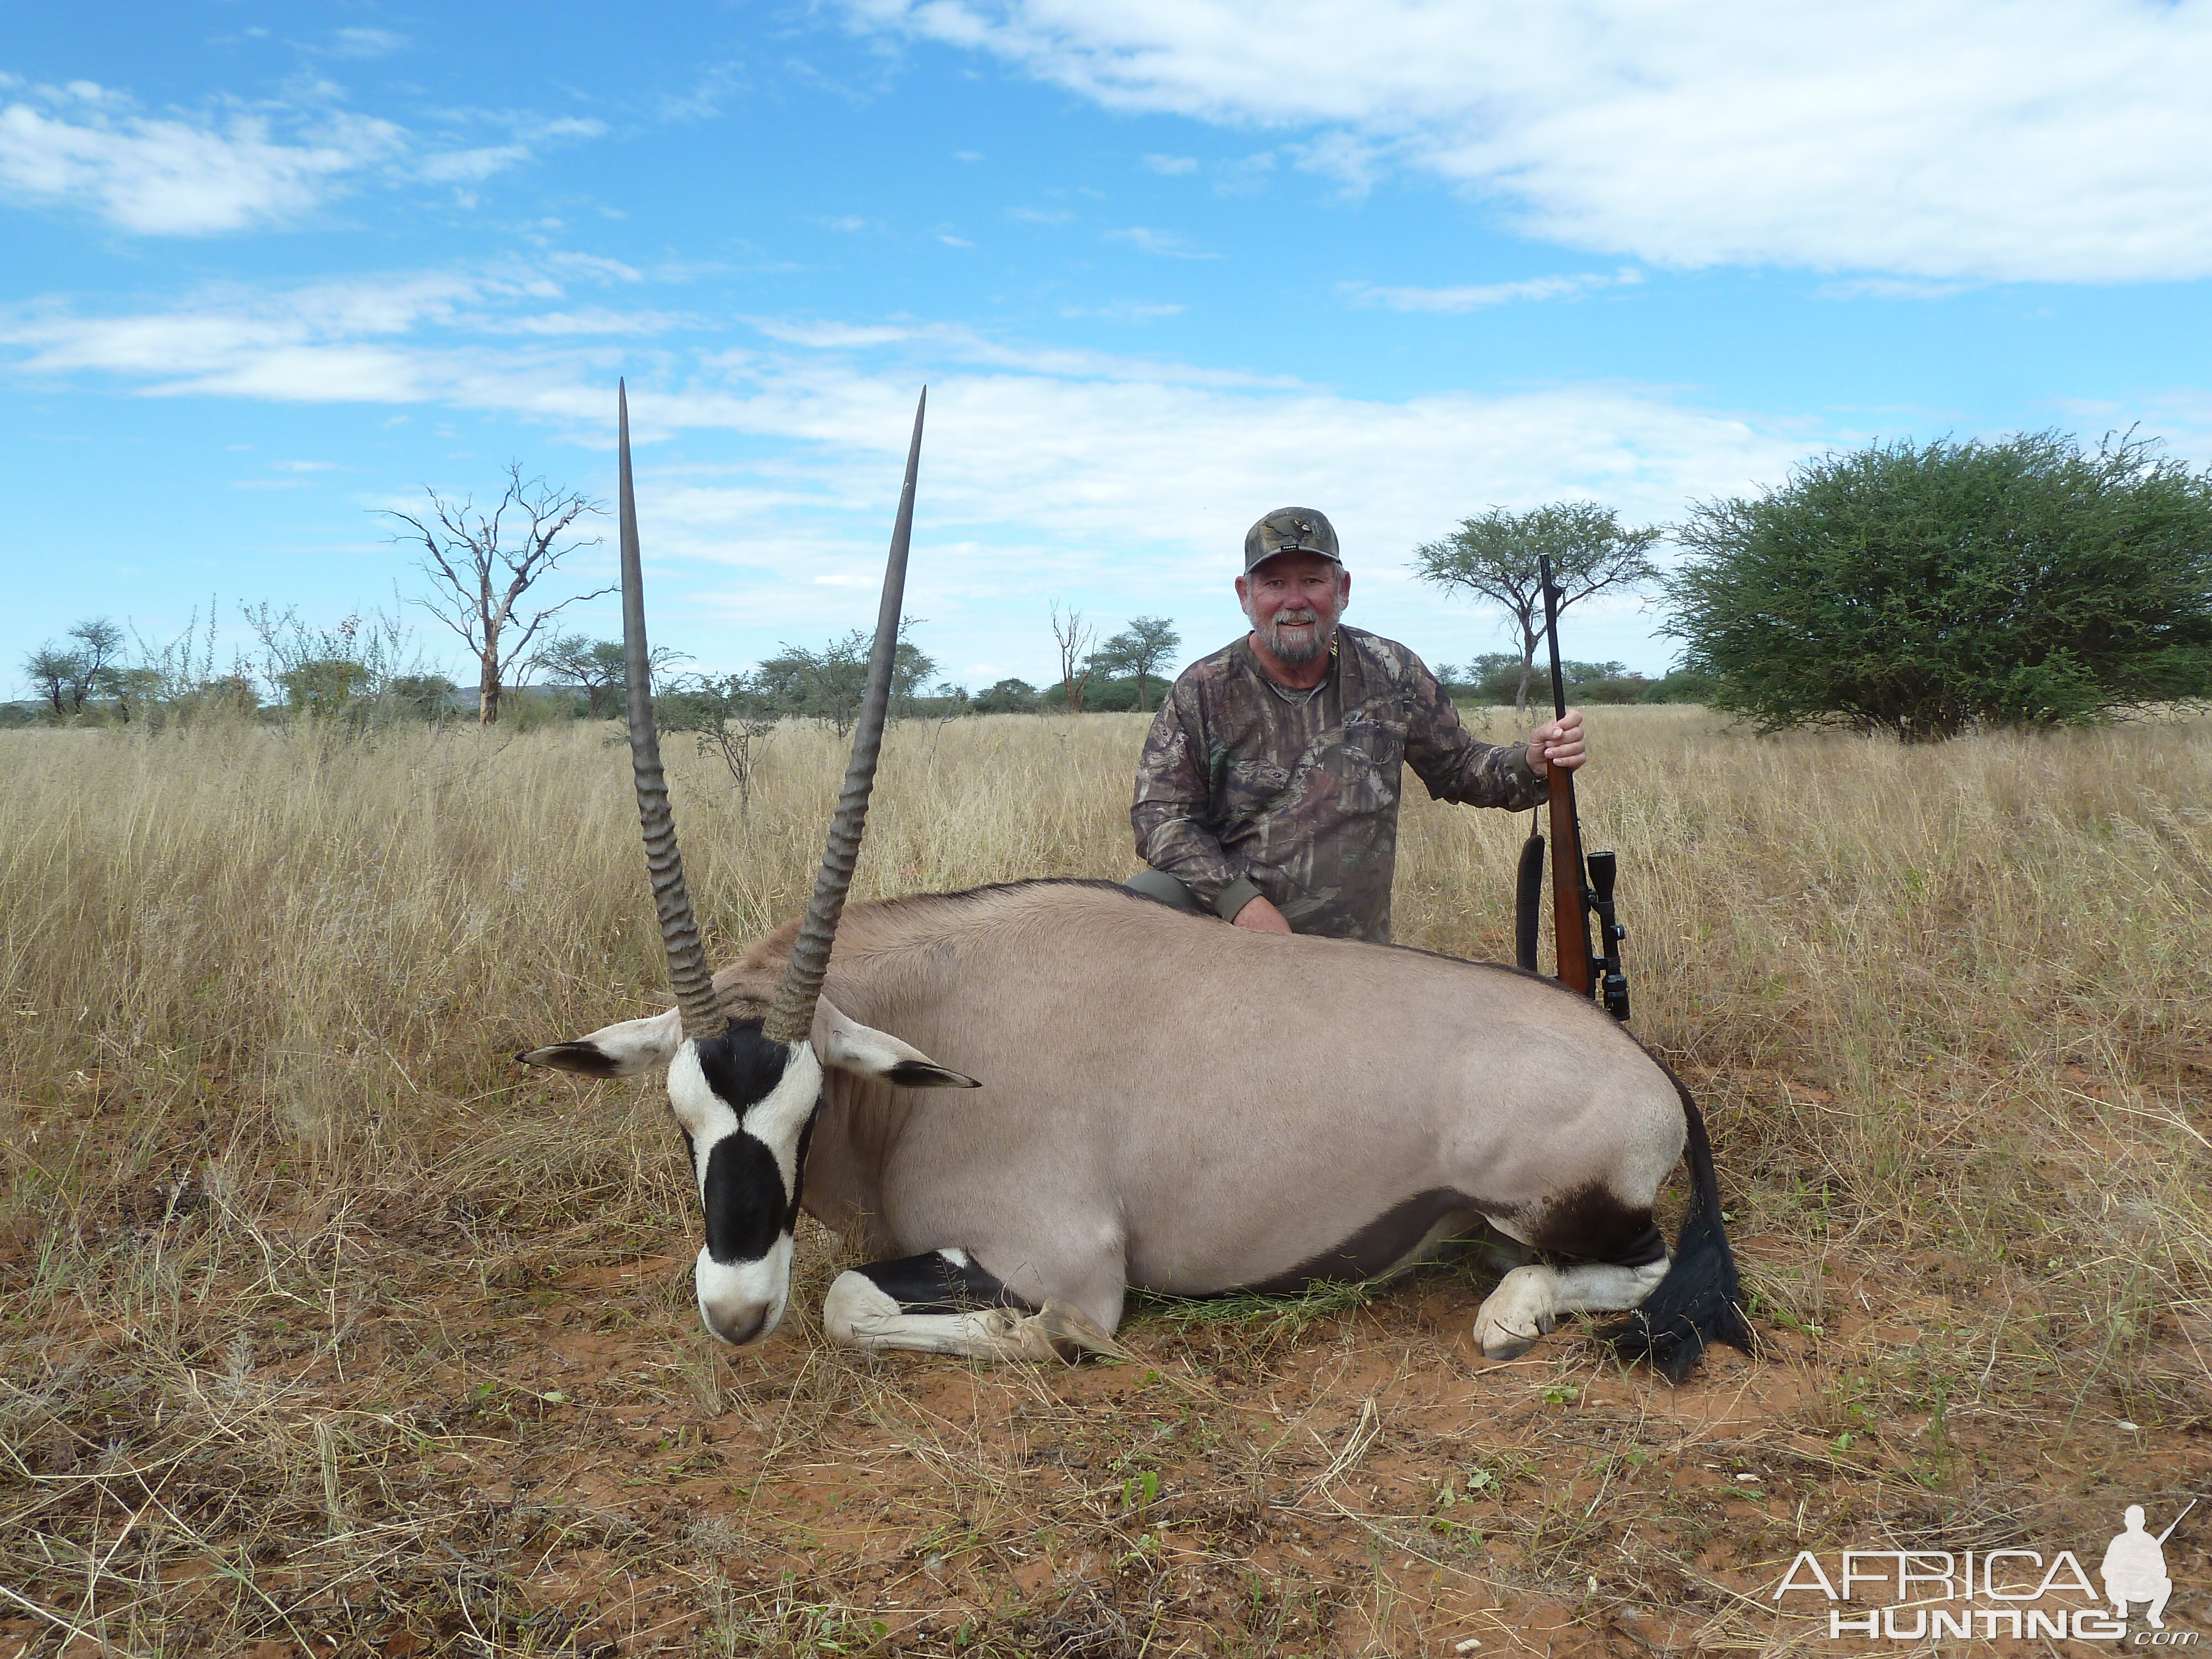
column 1945, row 1006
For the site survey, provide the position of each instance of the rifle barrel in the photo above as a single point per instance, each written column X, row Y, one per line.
column 1570, row 906
column 2176, row 1521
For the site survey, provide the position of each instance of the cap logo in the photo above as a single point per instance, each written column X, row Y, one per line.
column 1289, row 530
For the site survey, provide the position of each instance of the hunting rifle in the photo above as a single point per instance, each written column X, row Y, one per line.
column 1582, row 886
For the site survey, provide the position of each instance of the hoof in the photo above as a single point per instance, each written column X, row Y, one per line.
column 1504, row 1345
column 1073, row 1333
column 1515, row 1315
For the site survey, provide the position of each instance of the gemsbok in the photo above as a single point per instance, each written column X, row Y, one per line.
column 1137, row 1097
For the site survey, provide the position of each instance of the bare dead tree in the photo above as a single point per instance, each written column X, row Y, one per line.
column 1075, row 641
column 483, row 564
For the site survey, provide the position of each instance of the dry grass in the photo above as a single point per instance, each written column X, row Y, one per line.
column 324, row 1327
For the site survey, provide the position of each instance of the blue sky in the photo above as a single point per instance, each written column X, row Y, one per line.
column 1164, row 267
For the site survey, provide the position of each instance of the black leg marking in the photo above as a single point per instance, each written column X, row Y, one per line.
column 933, row 1284
column 1642, row 1251
column 1590, row 1224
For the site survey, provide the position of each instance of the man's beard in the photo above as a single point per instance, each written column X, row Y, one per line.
column 1296, row 651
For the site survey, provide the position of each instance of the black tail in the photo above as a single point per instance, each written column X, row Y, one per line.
column 1700, row 1301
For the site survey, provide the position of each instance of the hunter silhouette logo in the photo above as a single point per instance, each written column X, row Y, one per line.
column 2134, row 1566
column 2017, row 1593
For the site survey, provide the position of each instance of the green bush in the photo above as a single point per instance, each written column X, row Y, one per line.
column 1495, row 677
column 1924, row 591
column 1680, row 686
column 1008, row 696
column 1609, row 689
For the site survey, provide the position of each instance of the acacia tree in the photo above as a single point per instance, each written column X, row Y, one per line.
column 733, row 716
column 66, row 676
column 592, row 666
column 330, row 670
column 58, row 674
column 596, row 668
column 1924, row 591
column 1495, row 556
column 1139, row 650
column 481, row 565
column 828, row 685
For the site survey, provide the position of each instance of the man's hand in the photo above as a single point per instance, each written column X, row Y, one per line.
column 1558, row 742
column 1261, row 916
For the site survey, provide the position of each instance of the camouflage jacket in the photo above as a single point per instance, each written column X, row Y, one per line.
column 1241, row 793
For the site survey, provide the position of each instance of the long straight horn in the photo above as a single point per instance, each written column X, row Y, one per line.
column 793, row 1017
column 679, row 930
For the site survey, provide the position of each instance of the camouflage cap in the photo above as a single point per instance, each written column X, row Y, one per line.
column 1289, row 530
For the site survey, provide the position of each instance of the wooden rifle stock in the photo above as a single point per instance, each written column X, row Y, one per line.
column 1580, row 885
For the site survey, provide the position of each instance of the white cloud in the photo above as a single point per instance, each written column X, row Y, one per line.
column 566, row 126
column 1167, row 243
column 943, row 342
column 2059, row 140
column 366, row 43
column 1889, row 287
column 177, row 175
column 1126, row 496
column 312, row 344
column 707, row 96
column 586, row 319
column 171, row 177
column 1122, row 483
column 1490, row 293
column 1171, row 165
column 1123, row 311
column 457, row 166
column 1068, row 424
column 593, row 264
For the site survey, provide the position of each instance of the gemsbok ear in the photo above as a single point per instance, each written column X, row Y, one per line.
column 622, row 1050
column 865, row 1052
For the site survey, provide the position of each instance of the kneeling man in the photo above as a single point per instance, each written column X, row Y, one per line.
column 2134, row 1569
column 1267, row 790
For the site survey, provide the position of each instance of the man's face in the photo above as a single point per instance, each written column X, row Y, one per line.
column 1294, row 600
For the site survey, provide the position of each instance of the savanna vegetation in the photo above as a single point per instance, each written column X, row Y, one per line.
column 323, row 1326
column 1926, row 590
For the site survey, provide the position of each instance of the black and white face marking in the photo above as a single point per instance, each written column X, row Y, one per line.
column 746, row 1104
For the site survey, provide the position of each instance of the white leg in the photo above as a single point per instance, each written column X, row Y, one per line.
column 1528, row 1301
column 858, row 1313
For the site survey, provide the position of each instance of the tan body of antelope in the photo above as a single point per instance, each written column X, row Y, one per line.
column 1025, row 1100
column 1170, row 1103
